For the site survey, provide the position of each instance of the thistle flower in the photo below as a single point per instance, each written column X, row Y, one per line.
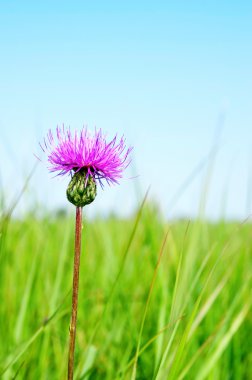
column 89, row 157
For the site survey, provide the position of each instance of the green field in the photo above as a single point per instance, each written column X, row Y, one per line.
column 157, row 300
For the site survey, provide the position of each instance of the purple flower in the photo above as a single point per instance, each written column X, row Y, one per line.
column 100, row 159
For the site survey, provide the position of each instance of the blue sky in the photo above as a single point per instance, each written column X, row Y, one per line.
column 169, row 75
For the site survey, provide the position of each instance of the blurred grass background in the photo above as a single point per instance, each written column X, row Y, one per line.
column 157, row 300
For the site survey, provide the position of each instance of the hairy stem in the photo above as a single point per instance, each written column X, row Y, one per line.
column 72, row 329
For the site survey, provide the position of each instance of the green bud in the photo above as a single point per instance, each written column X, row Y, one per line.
column 80, row 191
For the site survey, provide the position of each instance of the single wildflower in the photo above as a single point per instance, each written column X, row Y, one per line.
column 89, row 159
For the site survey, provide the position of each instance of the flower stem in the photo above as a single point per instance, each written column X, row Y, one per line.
column 72, row 329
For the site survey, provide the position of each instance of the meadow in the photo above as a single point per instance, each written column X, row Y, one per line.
column 157, row 300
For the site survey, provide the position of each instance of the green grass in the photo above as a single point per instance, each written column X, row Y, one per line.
column 156, row 301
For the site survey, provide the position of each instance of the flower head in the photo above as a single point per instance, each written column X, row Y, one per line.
column 89, row 157
column 100, row 159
